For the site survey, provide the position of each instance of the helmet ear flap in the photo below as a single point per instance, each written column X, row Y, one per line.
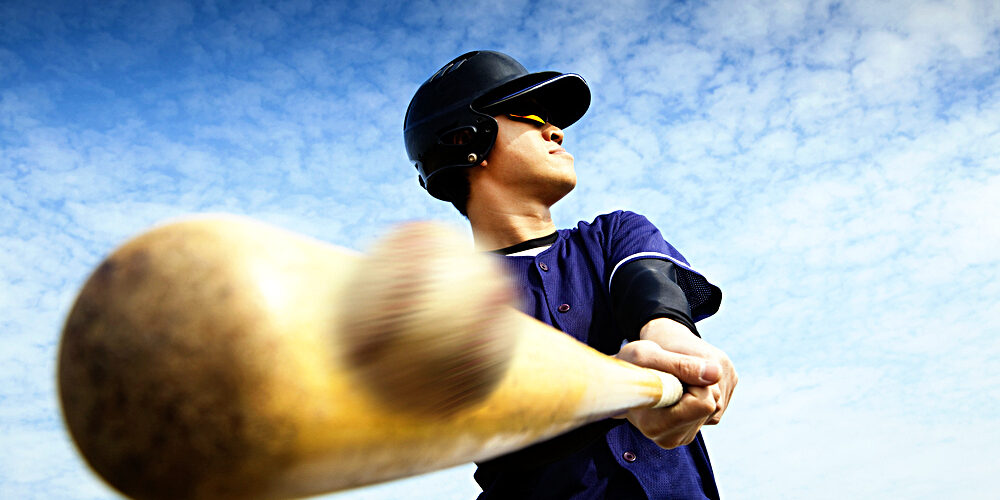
column 458, row 136
column 458, row 147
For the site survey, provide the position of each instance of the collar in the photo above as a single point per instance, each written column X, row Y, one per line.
column 543, row 241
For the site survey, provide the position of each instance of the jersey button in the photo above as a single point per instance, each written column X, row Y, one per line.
column 564, row 308
column 543, row 266
column 629, row 456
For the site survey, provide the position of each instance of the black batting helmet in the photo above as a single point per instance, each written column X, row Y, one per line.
column 463, row 96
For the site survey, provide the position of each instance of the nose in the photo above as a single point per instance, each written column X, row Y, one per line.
column 554, row 134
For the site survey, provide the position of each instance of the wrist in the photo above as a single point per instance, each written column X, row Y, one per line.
column 663, row 328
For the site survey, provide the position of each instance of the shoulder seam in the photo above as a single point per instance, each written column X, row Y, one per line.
column 641, row 255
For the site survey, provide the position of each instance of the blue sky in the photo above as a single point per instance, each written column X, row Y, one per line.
column 833, row 166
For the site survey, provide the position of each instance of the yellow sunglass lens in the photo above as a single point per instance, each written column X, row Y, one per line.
column 534, row 118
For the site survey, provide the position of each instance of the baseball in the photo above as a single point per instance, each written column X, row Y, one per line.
column 424, row 324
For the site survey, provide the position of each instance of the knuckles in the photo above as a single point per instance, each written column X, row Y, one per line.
column 670, row 428
column 639, row 352
column 703, row 408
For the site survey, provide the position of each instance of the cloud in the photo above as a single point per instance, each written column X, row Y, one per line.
column 834, row 166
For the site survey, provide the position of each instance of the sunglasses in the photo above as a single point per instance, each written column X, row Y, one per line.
column 541, row 118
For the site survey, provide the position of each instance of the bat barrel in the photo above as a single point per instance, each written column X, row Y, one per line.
column 215, row 358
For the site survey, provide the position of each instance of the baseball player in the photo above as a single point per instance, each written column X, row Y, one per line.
column 486, row 135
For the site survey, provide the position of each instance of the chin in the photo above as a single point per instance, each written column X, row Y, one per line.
column 560, row 188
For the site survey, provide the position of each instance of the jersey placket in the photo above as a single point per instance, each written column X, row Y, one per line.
column 551, row 276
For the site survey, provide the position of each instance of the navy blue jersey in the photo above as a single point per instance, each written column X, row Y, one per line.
column 567, row 286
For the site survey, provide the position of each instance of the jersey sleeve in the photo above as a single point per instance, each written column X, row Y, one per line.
column 646, row 289
column 630, row 237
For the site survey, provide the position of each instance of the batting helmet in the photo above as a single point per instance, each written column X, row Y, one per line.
column 463, row 96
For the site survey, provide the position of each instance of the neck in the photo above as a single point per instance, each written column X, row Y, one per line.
column 502, row 225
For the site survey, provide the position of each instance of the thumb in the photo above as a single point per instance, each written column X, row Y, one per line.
column 690, row 370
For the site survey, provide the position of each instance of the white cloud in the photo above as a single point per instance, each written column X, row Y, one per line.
column 833, row 165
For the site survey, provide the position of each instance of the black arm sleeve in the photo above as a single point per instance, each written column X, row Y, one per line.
column 646, row 289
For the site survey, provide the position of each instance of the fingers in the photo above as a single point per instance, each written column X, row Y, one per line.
column 679, row 424
column 698, row 405
column 720, row 408
column 709, row 384
column 724, row 392
column 706, row 371
column 690, row 370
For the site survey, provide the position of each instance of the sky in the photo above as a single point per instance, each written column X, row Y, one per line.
column 833, row 166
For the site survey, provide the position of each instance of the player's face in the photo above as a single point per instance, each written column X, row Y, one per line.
column 528, row 153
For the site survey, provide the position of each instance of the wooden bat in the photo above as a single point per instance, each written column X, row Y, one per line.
column 218, row 357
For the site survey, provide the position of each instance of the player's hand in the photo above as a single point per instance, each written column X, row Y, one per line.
column 675, row 337
column 676, row 425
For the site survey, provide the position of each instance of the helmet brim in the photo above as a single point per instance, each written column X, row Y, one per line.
column 565, row 96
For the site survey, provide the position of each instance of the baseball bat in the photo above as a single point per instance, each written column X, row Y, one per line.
column 219, row 357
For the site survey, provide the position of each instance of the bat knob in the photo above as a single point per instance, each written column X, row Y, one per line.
column 672, row 390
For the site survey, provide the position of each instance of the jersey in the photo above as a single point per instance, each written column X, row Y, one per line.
column 567, row 285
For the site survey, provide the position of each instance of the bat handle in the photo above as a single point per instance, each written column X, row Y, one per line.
column 672, row 389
